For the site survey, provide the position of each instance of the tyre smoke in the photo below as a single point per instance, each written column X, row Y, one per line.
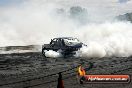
column 52, row 53
column 107, row 39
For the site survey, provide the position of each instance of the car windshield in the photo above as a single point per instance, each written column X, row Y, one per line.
column 71, row 41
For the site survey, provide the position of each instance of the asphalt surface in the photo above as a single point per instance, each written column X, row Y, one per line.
column 31, row 65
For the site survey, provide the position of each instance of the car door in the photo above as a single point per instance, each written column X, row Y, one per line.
column 56, row 44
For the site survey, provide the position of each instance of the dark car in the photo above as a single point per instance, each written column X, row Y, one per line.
column 67, row 45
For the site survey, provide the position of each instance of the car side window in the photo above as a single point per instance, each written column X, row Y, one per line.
column 53, row 42
column 62, row 42
column 57, row 42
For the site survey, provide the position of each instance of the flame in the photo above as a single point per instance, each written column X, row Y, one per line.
column 81, row 71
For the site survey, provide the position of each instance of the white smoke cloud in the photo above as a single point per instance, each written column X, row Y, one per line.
column 36, row 22
column 107, row 39
column 29, row 25
column 93, row 50
column 52, row 53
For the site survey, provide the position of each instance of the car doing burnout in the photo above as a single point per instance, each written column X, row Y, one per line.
column 65, row 45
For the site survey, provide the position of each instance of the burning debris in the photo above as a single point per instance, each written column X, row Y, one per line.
column 81, row 71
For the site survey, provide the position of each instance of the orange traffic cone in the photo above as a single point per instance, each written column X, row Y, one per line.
column 60, row 81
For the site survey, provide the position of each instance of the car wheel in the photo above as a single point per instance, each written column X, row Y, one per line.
column 43, row 52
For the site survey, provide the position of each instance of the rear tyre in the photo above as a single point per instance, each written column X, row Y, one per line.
column 43, row 52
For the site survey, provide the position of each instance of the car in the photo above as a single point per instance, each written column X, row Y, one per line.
column 65, row 45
